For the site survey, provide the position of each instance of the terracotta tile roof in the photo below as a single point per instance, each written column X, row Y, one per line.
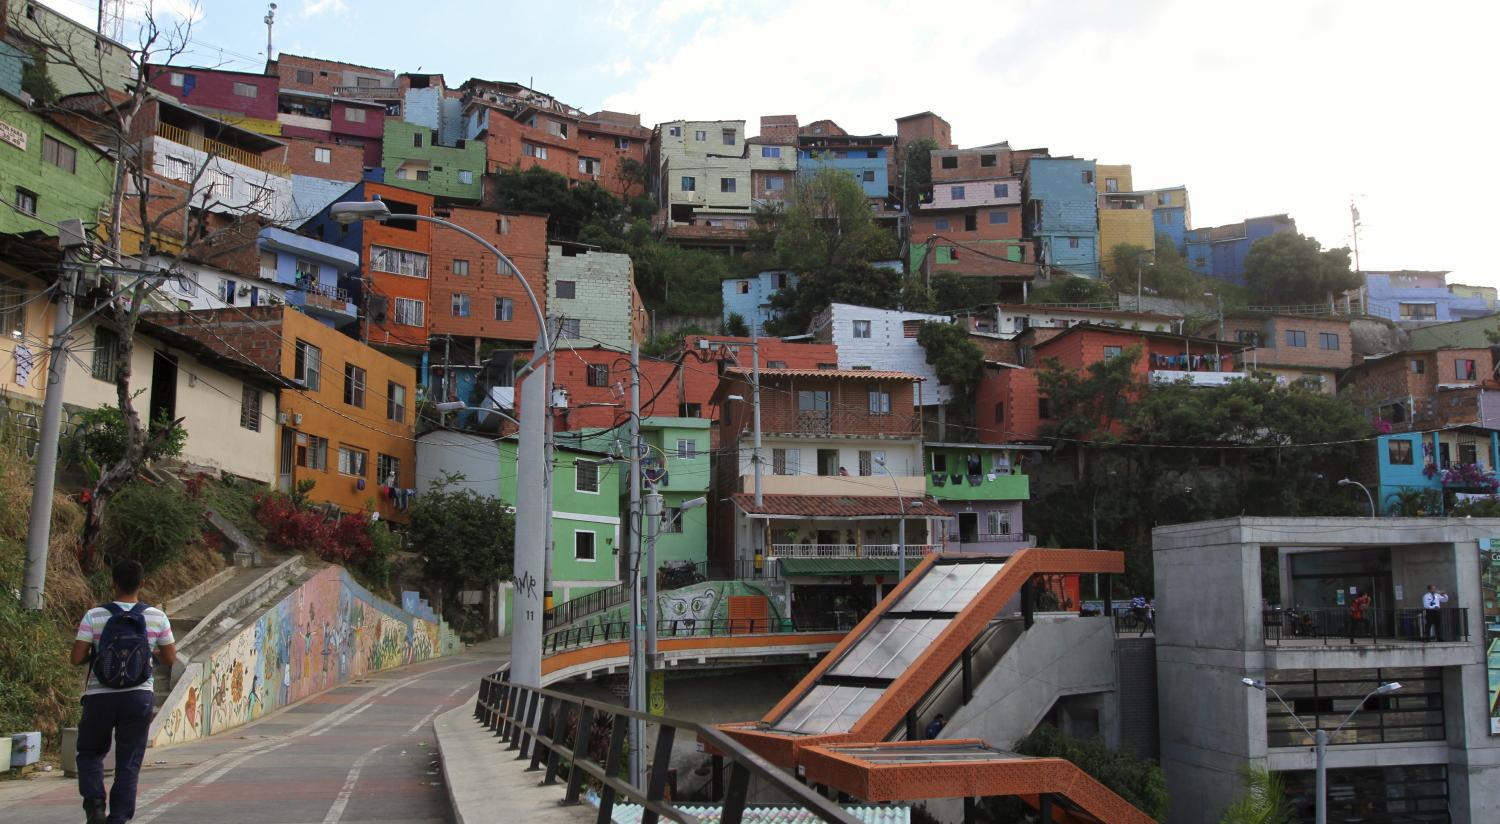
column 867, row 374
column 838, row 506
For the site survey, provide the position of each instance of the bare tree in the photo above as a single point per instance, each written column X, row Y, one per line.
column 183, row 213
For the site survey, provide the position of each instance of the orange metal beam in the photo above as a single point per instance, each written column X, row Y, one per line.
column 621, row 649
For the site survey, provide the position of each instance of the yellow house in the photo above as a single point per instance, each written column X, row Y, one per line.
column 25, row 330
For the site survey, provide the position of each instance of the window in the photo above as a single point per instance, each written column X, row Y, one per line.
column 671, row 519
column 869, row 461
column 503, row 226
column 354, row 115
column 700, row 135
column 786, row 461
column 999, row 412
column 387, row 470
column 570, row 329
column 567, row 289
column 460, row 267
column 999, row 217
column 106, row 364
column 176, row 79
column 398, row 262
column 939, row 462
column 971, row 222
column 1468, row 452
column 410, row 312
column 598, row 374
column 352, row 461
column 179, row 168
column 423, row 174
column 861, row 329
column 687, row 448
column 1112, row 352
column 1111, row 184
column 828, row 463
column 949, row 162
column 1418, row 311
column 312, row 451
column 1250, row 337
column 957, row 192
column 395, row 401
column 354, row 385
column 622, row 143
column 1418, row 366
column 910, row 328
column 1328, row 340
column 776, row 364
column 726, row 184
column 674, row 131
column 775, row 184
column 880, row 402
column 416, row 140
column 465, row 176
column 689, row 410
column 1399, row 452
column 770, row 151
column 460, row 305
column 26, row 200
column 869, row 176
column 1072, row 243
column 729, row 137
column 1088, row 178
column 940, row 224
column 986, row 160
column 246, row 90
column 1296, row 337
column 533, row 150
column 218, row 183
column 308, row 365
column 997, row 523
column 304, row 76
column 1002, row 190
column 59, row 154
column 1044, row 408
column 1413, row 714
column 813, row 400
column 586, row 476
column 689, row 184
column 322, row 155
column 583, row 545
column 505, row 309
column 1463, row 369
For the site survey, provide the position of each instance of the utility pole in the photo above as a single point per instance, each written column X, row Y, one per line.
column 71, row 238
column 634, row 567
column 270, row 22
column 1354, row 220
column 652, row 502
column 760, row 536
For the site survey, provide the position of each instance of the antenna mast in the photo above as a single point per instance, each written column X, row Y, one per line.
column 270, row 24
column 1354, row 219
column 112, row 19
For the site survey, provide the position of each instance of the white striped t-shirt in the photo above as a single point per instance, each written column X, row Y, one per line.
column 158, row 630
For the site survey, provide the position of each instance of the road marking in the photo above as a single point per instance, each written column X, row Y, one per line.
column 336, row 812
column 425, row 719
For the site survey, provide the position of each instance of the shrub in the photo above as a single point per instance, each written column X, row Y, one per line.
column 345, row 539
column 102, row 437
column 150, row 524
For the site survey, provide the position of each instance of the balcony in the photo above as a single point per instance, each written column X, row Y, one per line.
column 987, row 487
column 328, row 302
column 835, row 484
column 842, row 421
column 214, row 148
column 1195, row 378
column 1320, row 638
column 368, row 92
column 851, row 550
column 304, row 121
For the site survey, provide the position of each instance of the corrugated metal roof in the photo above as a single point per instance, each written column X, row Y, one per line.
column 867, row 374
column 839, row 506
column 866, row 813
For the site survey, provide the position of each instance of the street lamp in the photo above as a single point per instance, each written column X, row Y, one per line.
column 900, row 527
column 459, row 406
column 1320, row 736
column 1219, row 302
column 1368, row 496
column 533, row 456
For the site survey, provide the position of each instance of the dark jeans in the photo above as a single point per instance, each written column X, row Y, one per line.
column 126, row 716
column 1434, row 620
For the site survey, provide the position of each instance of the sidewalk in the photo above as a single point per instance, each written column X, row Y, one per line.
column 487, row 783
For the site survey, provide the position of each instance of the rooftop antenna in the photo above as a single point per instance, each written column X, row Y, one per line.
column 112, row 19
column 270, row 24
column 1354, row 219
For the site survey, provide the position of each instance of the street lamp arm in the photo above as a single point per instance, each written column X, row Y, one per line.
column 1289, row 710
column 445, row 408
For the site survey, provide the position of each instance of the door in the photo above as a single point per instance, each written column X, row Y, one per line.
column 288, row 459
column 968, row 527
column 163, row 403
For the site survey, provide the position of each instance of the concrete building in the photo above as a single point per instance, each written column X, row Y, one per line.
column 416, row 157
column 701, row 179
column 326, row 104
column 1011, row 319
column 970, row 223
column 222, row 169
column 773, row 159
column 1219, row 251
column 884, row 339
column 924, row 126
column 587, row 549
column 1416, row 298
column 1316, row 348
column 1267, row 599
column 311, row 272
column 91, row 58
column 865, row 158
column 1137, row 216
column 750, row 298
column 1062, row 213
column 594, row 296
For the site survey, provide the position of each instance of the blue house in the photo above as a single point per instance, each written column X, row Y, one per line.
column 1062, row 213
column 866, row 158
column 311, row 270
column 1420, row 297
column 1219, row 251
column 750, row 298
column 1414, row 461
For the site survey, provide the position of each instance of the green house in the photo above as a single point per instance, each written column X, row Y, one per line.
column 982, row 488
column 413, row 159
column 47, row 173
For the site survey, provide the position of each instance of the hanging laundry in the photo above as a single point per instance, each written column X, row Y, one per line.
column 25, row 362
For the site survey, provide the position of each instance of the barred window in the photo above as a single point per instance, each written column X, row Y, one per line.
column 250, row 408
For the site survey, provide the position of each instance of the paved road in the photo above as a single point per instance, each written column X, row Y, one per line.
column 363, row 752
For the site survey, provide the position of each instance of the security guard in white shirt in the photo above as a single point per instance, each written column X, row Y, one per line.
column 1432, row 612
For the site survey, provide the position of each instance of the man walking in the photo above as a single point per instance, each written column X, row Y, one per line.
column 1357, row 619
column 1432, row 612
column 120, row 641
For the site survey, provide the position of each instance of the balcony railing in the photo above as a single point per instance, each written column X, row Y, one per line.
column 1195, row 378
column 560, row 640
column 1338, row 625
column 312, row 287
column 839, row 422
column 214, row 148
column 368, row 92
column 850, row 550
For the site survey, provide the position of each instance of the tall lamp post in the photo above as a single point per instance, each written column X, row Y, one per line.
column 533, row 457
column 1320, row 736
column 1366, row 489
column 900, row 527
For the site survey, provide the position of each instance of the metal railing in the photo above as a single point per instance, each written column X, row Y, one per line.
column 1332, row 625
column 586, row 740
column 313, row 287
column 599, row 600
column 214, row 148
column 1129, row 622
column 604, row 632
column 850, row 550
column 368, row 92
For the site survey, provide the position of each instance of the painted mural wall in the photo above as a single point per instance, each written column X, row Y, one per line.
column 691, row 610
column 328, row 631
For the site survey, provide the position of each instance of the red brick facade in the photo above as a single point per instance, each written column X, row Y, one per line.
column 1006, row 406
column 523, row 238
column 924, row 126
column 1404, row 389
column 404, row 236
column 344, row 161
column 325, row 75
column 953, row 224
column 1289, row 340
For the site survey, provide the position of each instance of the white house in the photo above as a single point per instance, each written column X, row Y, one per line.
column 884, row 339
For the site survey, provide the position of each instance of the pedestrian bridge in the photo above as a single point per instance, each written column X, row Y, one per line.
column 747, row 643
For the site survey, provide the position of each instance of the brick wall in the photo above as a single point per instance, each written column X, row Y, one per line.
column 972, row 164
column 326, row 74
column 926, row 223
column 407, row 236
column 345, row 162
column 1016, row 390
column 778, row 128
column 926, row 126
column 505, row 147
column 602, row 285
column 523, row 238
column 1373, row 385
column 849, row 412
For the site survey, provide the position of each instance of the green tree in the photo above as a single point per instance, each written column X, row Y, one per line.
column 1264, row 800
column 1069, row 289
column 958, row 362
column 735, row 325
column 1170, row 276
column 1083, row 404
column 1133, row 778
column 952, row 291
column 462, row 538
column 1126, row 263
column 916, row 170
column 570, row 209
column 1290, row 268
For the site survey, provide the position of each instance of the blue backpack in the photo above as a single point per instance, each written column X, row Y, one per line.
column 122, row 657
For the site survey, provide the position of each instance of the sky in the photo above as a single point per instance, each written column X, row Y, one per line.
column 1270, row 107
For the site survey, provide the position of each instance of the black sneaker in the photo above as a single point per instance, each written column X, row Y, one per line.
column 94, row 808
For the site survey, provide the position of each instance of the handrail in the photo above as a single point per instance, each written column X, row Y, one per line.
column 215, row 148
column 606, row 632
column 583, row 606
column 850, row 550
column 552, row 728
column 1329, row 625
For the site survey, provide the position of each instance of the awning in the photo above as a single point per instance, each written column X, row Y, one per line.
column 844, row 566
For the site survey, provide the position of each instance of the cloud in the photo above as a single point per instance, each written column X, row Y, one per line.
column 316, row 8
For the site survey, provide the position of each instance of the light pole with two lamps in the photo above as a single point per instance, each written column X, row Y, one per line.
column 533, row 456
column 901, row 526
column 1321, row 736
column 1365, row 489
